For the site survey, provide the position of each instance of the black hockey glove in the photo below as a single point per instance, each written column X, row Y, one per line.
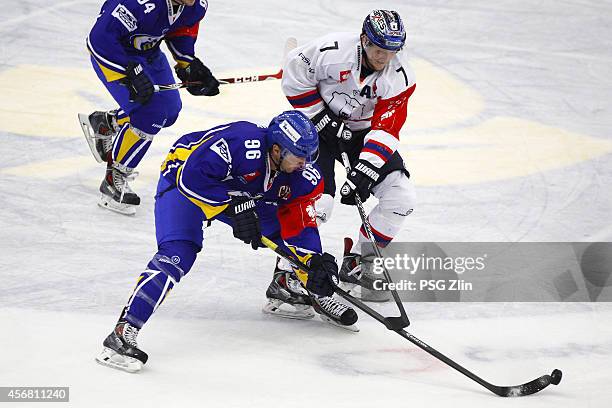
column 323, row 276
column 359, row 181
column 198, row 72
column 139, row 83
column 245, row 221
column 330, row 126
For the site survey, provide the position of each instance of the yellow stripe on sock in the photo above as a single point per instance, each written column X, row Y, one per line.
column 129, row 140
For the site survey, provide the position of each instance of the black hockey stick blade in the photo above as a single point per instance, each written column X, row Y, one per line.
column 528, row 388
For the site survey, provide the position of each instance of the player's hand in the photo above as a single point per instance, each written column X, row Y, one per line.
column 330, row 126
column 359, row 181
column 323, row 276
column 245, row 221
column 196, row 71
column 139, row 83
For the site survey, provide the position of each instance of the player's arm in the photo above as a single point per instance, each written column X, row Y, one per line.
column 104, row 44
column 104, row 39
column 382, row 140
column 189, row 68
column 301, row 74
column 303, row 70
column 388, row 118
column 200, row 180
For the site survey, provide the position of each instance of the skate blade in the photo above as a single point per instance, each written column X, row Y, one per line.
column 110, row 204
column 111, row 358
column 281, row 309
column 352, row 328
column 90, row 136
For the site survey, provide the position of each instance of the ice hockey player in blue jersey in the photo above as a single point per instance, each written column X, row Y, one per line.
column 260, row 181
column 124, row 47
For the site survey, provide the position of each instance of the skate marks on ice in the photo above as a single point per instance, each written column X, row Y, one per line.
column 446, row 141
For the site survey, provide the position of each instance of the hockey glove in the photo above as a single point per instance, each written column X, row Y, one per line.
column 138, row 83
column 330, row 126
column 198, row 72
column 323, row 275
column 245, row 221
column 359, row 181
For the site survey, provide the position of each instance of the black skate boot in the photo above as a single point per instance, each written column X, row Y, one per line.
column 286, row 297
column 116, row 193
column 357, row 278
column 335, row 313
column 121, row 350
column 99, row 129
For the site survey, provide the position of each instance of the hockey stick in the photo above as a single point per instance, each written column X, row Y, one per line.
column 528, row 388
column 402, row 320
column 222, row 81
column 290, row 44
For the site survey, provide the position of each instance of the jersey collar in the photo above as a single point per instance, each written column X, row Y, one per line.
column 172, row 17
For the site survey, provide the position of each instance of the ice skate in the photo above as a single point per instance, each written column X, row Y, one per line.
column 357, row 278
column 99, row 129
column 335, row 313
column 121, row 350
column 116, row 193
column 286, row 297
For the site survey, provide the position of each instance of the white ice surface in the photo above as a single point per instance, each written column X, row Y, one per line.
column 508, row 139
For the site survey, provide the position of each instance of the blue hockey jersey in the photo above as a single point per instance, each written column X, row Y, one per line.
column 209, row 167
column 126, row 28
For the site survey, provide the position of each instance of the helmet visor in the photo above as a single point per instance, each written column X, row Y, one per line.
column 296, row 161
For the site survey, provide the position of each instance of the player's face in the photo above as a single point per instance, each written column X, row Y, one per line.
column 185, row 2
column 292, row 163
column 378, row 58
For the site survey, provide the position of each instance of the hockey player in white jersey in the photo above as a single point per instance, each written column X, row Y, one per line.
column 355, row 88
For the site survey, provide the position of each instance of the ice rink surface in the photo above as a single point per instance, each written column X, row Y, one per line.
column 508, row 139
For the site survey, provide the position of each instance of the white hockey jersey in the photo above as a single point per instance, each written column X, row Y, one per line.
column 327, row 71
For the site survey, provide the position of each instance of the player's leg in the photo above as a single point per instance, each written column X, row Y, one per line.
column 396, row 200
column 179, row 235
column 130, row 132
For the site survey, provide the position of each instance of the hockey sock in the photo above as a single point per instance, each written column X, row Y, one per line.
column 171, row 262
column 130, row 146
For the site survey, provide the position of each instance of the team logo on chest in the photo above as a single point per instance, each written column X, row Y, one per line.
column 145, row 42
column 284, row 192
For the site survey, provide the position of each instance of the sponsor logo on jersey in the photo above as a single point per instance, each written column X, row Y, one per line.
column 284, row 192
column 304, row 58
column 145, row 42
column 387, row 114
column 310, row 210
column 344, row 75
column 222, row 149
column 289, row 131
column 125, row 17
